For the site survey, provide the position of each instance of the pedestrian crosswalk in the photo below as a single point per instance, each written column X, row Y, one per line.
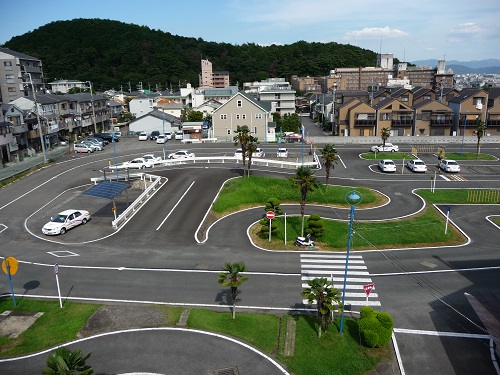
column 453, row 177
column 332, row 267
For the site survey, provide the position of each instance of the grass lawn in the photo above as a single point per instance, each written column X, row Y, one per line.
column 496, row 220
column 54, row 327
column 387, row 155
column 468, row 156
column 242, row 193
column 425, row 229
column 461, row 196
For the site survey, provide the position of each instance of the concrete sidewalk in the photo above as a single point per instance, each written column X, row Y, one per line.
column 13, row 168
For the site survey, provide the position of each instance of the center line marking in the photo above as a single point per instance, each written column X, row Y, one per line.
column 172, row 210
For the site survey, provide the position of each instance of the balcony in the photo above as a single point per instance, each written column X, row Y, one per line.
column 443, row 123
column 493, row 123
column 363, row 123
column 402, row 122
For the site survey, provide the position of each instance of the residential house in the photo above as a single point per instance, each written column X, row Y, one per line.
column 432, row 118
column 355, row 118
column 423, row 93
column 155, row 120
column 142, row 104
column 64, row 86
column 493, row 112
column 468, row 107
column 169, row 106
column 239, row 110
column 394, row 115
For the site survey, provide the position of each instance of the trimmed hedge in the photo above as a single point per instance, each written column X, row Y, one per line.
column 375, row 327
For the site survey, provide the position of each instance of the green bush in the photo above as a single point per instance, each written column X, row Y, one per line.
column 375, row 327
column 316, row 226
column 264, row 229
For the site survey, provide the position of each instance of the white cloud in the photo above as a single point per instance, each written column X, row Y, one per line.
column 376, row 32
column 466, row 29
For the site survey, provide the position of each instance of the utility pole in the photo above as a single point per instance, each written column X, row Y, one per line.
column 42, row 143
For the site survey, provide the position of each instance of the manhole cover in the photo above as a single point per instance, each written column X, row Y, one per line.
column 227, row 371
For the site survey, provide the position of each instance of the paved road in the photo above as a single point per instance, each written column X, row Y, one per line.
column 157, row 258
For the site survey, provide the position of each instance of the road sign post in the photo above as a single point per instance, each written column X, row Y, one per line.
column 9, row 266
column 270, row 216
column 368, row 288
column 56, row 271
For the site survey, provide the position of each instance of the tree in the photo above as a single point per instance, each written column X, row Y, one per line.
column 329, row 153
column 304, row 179
column 241, row 139
column 385, row 133
column 195, row 116
column 316, row 226
column 251, row 148
column 327, row 298
column 231, row 278
column 480, row 131
column 66, row 362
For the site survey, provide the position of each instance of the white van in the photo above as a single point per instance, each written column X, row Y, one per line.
column 80, row 147
column 179, row 135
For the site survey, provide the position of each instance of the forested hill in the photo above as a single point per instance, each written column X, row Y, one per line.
column 111, row 53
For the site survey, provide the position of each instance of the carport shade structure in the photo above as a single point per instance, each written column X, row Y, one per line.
column 107, row 190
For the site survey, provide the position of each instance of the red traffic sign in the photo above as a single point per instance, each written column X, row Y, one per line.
column 270, row 215
column 368, row 288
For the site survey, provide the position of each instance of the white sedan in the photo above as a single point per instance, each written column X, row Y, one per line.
column 282, row 153
column 137, row 163
column 449, row 166
column 151, row 158
column 64, row 221
column 143, row 136
column 181, row 154
column 162, row 138
column 416, row 165
column 387, row 165
column 388, row 147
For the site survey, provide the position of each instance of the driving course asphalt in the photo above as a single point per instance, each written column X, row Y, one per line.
column 162, row 256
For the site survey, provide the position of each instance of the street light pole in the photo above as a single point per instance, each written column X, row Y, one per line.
column 463, row 134
column 93, row 109
column 40, row 133
column 353, row 198
column 165, row 138
column 302, row 130
column 333, row 109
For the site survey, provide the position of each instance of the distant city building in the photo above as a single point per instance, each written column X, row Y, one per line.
column 209, row 78
column 63, row 86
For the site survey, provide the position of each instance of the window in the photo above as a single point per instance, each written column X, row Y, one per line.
column 237, row 117
column 258, row 115
column 228, row 131
column 223, row 117
column 427, row 97
column 239, row 103
column 243, row 117
column 11, row 89
column 385, row 116
column 9, row 78
column 404, row 98
column 426, row 115
column 7, row 63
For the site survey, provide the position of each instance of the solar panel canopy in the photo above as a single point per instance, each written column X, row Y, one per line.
column 106, row 190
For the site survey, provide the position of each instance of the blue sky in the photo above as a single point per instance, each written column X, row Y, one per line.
column 412, row 30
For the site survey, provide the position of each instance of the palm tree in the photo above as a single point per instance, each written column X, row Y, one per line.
column 251, row 148
column 66, row 362
column 231, row 278
column 480, row 131
column 304, row 179
column 385, row 133
column 241, row 139
column 330, row 155
column 326, row 297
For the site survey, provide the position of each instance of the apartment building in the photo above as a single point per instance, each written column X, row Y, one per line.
column 19, row 75
column 493, row 111
column 209, row 79
column 468, row 107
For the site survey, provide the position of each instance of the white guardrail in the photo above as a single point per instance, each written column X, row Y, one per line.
column 142, row 199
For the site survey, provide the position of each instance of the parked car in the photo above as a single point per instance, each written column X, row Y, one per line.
column 107, row 137
column 387, row 165
column 258, row 153
column 388, row 147
column 93, row 145
column 179, row 135
column 143, row 136
column 64, row 221
column 81, row 147
column 449, row 166
column 101, row 142
column 181, row 154
column 282, row 153
column 168, row 135
column 154, row 135
column 416, row 165
column 161, row 138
